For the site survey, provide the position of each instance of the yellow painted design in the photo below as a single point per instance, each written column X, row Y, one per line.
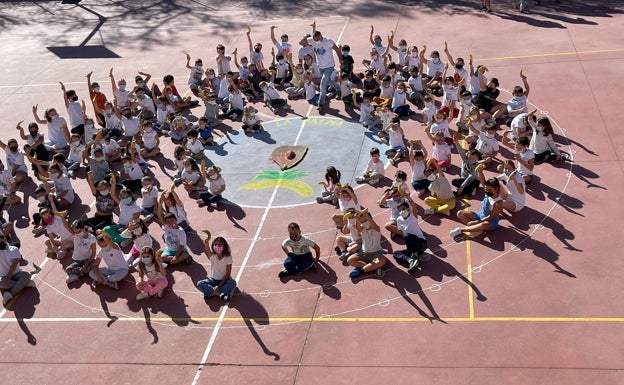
column 282, row 123
column 277, row 179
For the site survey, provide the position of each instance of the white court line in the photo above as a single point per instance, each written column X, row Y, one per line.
column 256, row 236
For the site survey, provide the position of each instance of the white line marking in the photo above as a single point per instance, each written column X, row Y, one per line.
column 217, row 327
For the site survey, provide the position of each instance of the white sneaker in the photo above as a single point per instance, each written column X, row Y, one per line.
column 71, row 278
column 233, row 116
column 6, row 297
column 142, row 295
column 429, row 211
column 456, row 232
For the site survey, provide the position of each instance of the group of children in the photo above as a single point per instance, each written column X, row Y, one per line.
column 132, row 125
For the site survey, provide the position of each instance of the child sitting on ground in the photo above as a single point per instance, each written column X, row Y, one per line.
column 374, row 171
column 251, row 121
column 332, row 180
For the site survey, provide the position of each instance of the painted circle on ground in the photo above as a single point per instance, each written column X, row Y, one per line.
column 253, row 180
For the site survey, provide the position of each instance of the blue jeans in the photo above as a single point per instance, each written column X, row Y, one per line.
column 402, row 110
column 326, row 80
column 314, row 100
column 209, row 198
column 207, row 285
column 296, row 263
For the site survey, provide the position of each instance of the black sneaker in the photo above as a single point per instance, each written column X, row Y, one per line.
column 337, row 250
column 283, row 273
column 413, row 264
column 189, row 260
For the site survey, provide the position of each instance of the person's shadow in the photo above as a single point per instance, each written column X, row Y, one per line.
column 436, row 269
column 170, row 304
column 406, row 284
column 24, row 308
column 252, row 312
column 528, row 216
column 523, row 241
column 324, row 276
column 540, row 191
column 233, row 211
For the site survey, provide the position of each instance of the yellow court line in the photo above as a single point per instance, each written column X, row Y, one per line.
column 550, row 54
column 269, row 321
column 469, row 278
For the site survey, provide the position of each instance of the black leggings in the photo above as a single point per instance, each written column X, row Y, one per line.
column 98, row 222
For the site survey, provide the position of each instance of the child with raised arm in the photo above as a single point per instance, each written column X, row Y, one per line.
column 74, row 110
column 120, row 93
column 220, row 282
column 255, row 55
column 196, row 73
column 370, row 255
column 297, row 250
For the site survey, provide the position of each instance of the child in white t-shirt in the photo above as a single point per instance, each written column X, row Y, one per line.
column 272, row 98
column 251, row 120
column 194, row 146
column 374, row 171
column 196, row 73
column 149, row 198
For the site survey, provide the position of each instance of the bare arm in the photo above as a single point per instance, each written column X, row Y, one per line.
column 112, row 78
column 37, row 118
column 21, row 130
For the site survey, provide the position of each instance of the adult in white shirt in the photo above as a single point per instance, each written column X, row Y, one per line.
column 12, row 279
column 323, row 47
column 116, row 266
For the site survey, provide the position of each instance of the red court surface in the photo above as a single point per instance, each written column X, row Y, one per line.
column 537, row 301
